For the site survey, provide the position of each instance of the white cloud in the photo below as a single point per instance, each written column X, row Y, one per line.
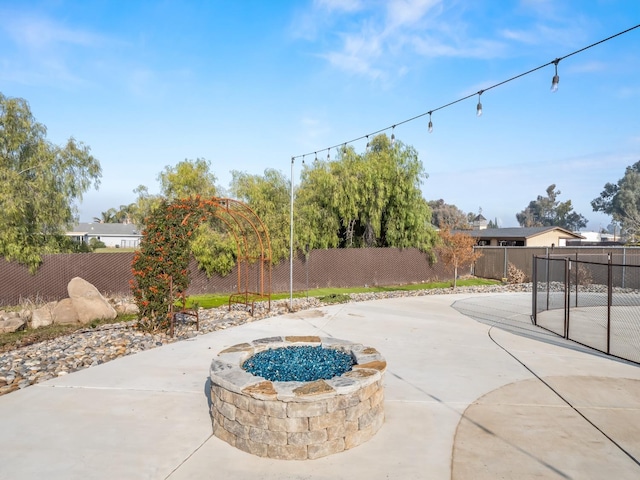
column 479, row 48
column 529, row 37
column 339, row 5
column 401, row 13
column 41, row 33
column 543, row 8
column 586, row 67
column 41, row 51
column 359, row 54
column 376, row 39
column 314, row 128
column 628, row 91
column 569, row 32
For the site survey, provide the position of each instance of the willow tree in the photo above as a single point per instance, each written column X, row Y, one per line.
column 40, row 185
column 269, row 197
column 365, row 200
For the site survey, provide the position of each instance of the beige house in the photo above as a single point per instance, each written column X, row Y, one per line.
column 523, row 237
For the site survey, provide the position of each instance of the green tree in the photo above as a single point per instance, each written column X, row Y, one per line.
column 316, row 221
column 212, row 245
column 214, row 248
column 107, row 217
column 269, row 197
column 144, row 206
column 444, row 215
column 368, row 200
column 187, row 179
column 549, row 211
column 40, row 184
column 125, row 213
column 622, row 201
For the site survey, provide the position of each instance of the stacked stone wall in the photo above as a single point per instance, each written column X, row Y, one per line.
column 297, row 430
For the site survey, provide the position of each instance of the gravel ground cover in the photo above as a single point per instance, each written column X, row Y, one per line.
column 42, row 361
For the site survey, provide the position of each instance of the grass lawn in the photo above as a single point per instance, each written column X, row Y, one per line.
column 212, row 301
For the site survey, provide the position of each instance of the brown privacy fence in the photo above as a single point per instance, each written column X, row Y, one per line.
column 110, row 273
column 594, row 303
column 495, row 260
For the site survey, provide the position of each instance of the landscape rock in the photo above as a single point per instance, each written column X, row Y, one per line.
column 25, row 314
column 7, row 315
column 9, row 324
column 64, row 313
column 126, row 308
column 43, row 316
column 89, row 304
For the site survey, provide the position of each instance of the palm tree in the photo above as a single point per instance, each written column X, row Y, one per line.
column 106, row 217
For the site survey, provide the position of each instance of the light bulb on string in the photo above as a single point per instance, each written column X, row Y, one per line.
column 479, row 111
column 556, row 78
column 316, row 153
column 329, row 154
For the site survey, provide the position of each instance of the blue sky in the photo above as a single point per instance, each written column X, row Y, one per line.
column 249, row 84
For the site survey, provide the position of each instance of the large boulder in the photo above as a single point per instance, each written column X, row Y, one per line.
column 88, row 303
column 64, row 313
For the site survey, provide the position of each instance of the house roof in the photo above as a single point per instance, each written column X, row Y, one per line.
column 519, row 232
column 105, row 229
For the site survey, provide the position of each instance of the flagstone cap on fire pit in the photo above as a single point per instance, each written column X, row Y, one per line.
column 227, row 371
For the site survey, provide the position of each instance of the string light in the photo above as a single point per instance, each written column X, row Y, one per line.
column 393, row 136
column 430, row 123
column 556, row 78
column 329, row 154
column 554, row 86
column 367, row 148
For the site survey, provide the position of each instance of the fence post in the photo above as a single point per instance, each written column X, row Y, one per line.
column 609, row 300
column 504, row 274
column 577, row 281
column 547, row 276
column 534, row 290
column 624, row 265
column 567, row 295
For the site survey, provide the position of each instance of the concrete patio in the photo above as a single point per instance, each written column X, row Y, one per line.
column 465, row 398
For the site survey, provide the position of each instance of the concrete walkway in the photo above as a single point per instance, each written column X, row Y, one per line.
column 463, row 400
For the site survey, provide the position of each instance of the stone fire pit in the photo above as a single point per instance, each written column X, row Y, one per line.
column 296, row 420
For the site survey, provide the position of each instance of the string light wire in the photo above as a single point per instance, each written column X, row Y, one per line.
column 480, row 92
